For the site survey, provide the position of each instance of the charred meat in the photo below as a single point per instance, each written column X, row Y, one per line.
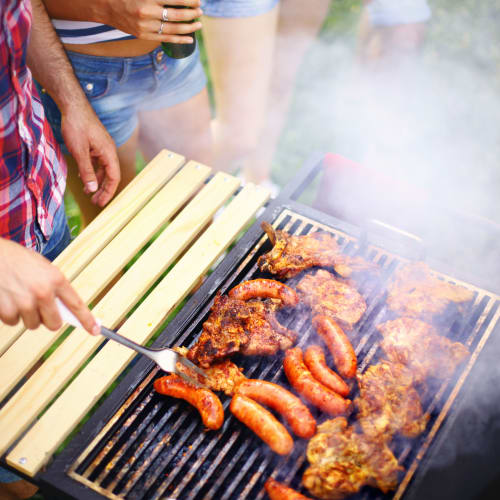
column 388, row 402
column 292, row 254
column 342, row 461
column 418, row 346
column 249, row 327
column 223, row 376
column 331, row 297
column 417, row 293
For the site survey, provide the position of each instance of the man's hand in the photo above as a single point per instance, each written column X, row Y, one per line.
column 141, row 18
column 93, row 150
column 29, row 286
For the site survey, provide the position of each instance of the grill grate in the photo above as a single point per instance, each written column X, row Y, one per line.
column 155, row 447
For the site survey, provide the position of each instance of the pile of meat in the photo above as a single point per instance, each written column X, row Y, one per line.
column 344, row 455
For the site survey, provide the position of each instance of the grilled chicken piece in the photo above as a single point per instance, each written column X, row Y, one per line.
column 249, row 327
column 416, row 293
column 417, row 345
column 342, row 461
column 331, row 297
column 224, row 376
column 292, row 254
column 388, row 402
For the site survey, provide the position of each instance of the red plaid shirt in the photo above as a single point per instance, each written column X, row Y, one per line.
column 32, row 170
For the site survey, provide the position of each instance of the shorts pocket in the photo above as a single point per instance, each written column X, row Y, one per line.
column 94, row 86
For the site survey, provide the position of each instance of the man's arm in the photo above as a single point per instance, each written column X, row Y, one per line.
column 86, row 139
column 29, row 287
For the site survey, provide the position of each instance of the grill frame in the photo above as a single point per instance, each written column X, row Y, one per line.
column 56, row 473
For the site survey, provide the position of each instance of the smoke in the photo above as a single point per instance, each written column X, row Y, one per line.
column 427, row 119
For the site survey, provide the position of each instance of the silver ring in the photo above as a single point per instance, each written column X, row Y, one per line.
column 160, row 31
column 164, row 16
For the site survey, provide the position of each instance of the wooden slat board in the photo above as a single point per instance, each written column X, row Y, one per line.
column 104, row 227
column 57, row 370
column 40, row 442
column 111, row 260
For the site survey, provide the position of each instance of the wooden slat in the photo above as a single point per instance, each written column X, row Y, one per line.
column 57, row 370
column 28, row 349
column 109, row 222
column 37, row 446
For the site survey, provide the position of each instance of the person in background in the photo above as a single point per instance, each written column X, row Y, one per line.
column 239, row 37
column 33, row 177
column 391, row 28
column 146, row 100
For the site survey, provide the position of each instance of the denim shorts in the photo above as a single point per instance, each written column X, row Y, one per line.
column 237, row 8
column 59, row 239
column 394, row 12
column 119, row 87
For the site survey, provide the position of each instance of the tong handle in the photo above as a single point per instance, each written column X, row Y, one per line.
column 70, row 318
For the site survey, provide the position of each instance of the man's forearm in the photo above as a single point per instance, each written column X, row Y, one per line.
column 48, row 62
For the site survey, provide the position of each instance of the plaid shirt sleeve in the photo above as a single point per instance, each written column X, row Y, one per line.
column 32, row 170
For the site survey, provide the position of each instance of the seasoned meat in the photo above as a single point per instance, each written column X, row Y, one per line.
column 416, row 293
column 223, row 376
column 249, row 327
column 342, row 461
column 417, row 345
column 292, row 254
column 331, row 297
column 388, row 402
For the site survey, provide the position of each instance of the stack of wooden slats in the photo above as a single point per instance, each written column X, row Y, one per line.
column 168, row 192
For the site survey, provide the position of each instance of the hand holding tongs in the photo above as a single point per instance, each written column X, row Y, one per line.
column 165, row 358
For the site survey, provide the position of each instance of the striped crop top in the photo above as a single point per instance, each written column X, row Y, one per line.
column 83, row 32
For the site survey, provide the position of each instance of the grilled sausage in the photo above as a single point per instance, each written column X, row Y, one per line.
column 338, row 344
column 278, row 491
column 204, row 400
column 264, row 288
column 293, row 410
column 314, row 358
column 263, row 423
column 315, row 392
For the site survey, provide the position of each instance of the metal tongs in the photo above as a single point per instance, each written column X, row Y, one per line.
column 165, row 358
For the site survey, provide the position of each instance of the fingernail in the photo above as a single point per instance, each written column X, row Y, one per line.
column 92, row 186
column 96, row 330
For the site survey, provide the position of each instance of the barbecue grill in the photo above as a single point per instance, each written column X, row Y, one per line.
column 142, row 445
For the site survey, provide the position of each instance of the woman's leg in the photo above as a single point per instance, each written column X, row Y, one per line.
column 298, row 26
column 240, row 57
column 183, row 128
column 126, row 156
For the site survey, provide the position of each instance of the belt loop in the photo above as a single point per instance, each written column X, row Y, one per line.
column 125, row 70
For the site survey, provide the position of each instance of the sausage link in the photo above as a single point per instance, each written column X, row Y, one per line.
column 264, row 288
column 204, row 400
column 315, row 392
column 263, row 423
column 293, row 410
column 314, row 358
column 338, row 344
column 278, row 491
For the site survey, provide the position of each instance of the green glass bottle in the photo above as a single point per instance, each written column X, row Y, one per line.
column 179, row 50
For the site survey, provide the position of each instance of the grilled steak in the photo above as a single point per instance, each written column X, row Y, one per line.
column 418, row 346
column 249, row 327
column 416, row 293
column 388, row 402
column 292, row 254
column 331, row 297
column 342, row 461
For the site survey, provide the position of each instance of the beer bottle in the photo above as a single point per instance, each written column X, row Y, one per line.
column 179, row 50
